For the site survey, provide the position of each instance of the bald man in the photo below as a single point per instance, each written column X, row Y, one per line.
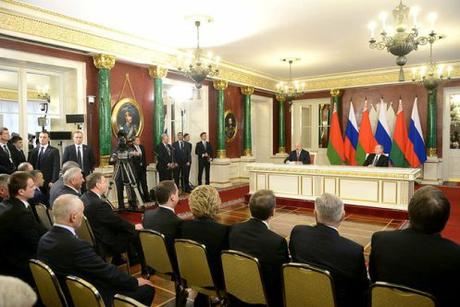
column 299, row 155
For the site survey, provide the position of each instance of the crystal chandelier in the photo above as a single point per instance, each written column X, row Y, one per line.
column 400, row 40
column 433, row 75
column 198, row 66
column 291, row 89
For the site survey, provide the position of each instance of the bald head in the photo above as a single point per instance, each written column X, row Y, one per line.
column 68, row 165
column 68, row 210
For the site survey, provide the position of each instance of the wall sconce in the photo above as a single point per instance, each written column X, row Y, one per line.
column 91, row 99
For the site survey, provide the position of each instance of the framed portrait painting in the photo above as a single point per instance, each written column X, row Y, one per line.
column 127, row 116
column 230, row 126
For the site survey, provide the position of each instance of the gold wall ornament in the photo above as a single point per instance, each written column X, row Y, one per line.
column 281, row 149
column 127, row 115
column 104, row 61
column 280, row 98
column 222, row 154
column 335, row 92
column 104, row 160
column 220, row 84
column 157, row 72
column 247, row 90
column 230, row 126
column 432, row 152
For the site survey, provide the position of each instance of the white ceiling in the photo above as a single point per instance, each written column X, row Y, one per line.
column 330, row 36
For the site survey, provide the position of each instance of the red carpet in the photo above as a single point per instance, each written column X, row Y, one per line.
column 452, row 230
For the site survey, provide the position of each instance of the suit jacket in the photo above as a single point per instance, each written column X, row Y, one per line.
column 49, row 165
column 254, row 238
column 181, row 156
column 19, row 235
column 382, row 161
column 200, row 150
column 39, row 198
column 17, row 155
column 139, row 162
column 67, row 255
column 304, row 157
column 163, row 157
column 189, row 157
column 6, row 166
column 70, row 154
column 214, row 236
column 110, row 230
column 323, row 247
column 426, row 262
column 60, row 190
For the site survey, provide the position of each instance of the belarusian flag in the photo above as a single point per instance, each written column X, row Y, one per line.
column 366, row 141
column 335, row 151
column 400, row 139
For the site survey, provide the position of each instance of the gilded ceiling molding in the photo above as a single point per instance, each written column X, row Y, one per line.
column 157, row 72
column 12, row 95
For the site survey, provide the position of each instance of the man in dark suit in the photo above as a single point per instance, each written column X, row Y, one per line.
column 4, row 194
column 299, row 155
column 46, row 158
column 58, row 184
column 418, row 257
column 188, row 164
column 6, row 160
column 17, row 154
column 203, row 150
column 73, row 180
column 19, row 230
column 322, row 246
column 80, row 153
column 378, row 158
column 39, row 196
column 113, row 234
column 165, row 159
column 181, row 155
column 140, row 168
column 256, row 239
column 68, row 255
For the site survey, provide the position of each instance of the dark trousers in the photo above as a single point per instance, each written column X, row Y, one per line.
column 203, row 164
column 179, row 176
column 141, row 178
column 165, row 174
column 121, row 181
column 143, row 294
column 187, row 177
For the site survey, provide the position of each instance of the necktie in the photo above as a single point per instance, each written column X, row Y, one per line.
column 298, row 156
column 79, row 159
column 167, row 148
column 40, row 155
column 375, row 160
column 180, row 145
column 5, row 148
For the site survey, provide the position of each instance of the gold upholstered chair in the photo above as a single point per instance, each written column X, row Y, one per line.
column 83, row 293
column 43, row 216
column 124, row 301
column 48, row 287
column 84, row 232
column 155, row 253
column 386, row 294
column 306, row 285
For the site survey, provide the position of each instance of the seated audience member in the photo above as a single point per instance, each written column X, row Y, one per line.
column 204, row 203
column 378, row 158
column 255, row 238
column 73, row 180
column 418, row 257
column 39, row 196
column 113, row 234
column 299, row 155
column 25, row 167
column 14, row 292
column 68, row 255
column 57, row 185
column 323, row 247
column 4, row 187
column 19, row 230
column 17, row 154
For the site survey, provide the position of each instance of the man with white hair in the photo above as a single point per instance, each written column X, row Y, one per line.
column 15, row 292
column 25, row 167
column 57, row 185
column 322, row 246
column 67, row 255
column 73, row 180
column 299, row 155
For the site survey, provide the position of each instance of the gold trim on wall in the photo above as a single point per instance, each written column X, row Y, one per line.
column 116, row 110
column 8, row 94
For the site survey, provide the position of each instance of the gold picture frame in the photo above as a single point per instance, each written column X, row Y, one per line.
column 127, row 115
column 230, row 126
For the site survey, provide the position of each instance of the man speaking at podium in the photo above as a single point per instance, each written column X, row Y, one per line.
column 299, row 155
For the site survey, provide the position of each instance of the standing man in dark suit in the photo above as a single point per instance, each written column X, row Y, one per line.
column 17, row 154
column 378, row 158
column 203, row 150
column 322, row 246
column 298, row 155
column 73, row 181
column 255, row 238
column 68, row 255
column 6, row 160
column 165, row 159
column 181, row 157
column 80, row 153
column 46, row 158
column 19, row 230
column 418, row 257
column 188, row 164
column 140, row 168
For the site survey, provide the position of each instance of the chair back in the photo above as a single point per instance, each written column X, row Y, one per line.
column 306, row 285
column 83, row 293
column 194, row 267
column 124, row 301
column 84, row 232
column 49, row 290
column 387, row 294
column 155, row 252
column 42, row 213
column 243, row 278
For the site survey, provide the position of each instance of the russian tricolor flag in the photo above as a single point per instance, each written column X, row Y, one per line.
column 351, row 137
column 382, row 133
column 415, row 152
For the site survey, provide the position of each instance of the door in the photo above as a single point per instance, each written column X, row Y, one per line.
column 451, row 135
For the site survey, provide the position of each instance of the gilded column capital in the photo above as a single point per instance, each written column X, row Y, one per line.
column 280, row 98
column 104, row 61
column 157, row 72
column 247, row 90
column 335, row 92
column 220, row 84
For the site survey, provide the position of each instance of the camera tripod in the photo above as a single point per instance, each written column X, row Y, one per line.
column 124, row 169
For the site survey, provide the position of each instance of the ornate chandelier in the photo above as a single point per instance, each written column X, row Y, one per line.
column 290, row 89
column 400, row 40
column 196, row 66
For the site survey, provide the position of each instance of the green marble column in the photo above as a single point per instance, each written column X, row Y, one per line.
column 431, row 123
column 158, row 73
column 104, row 63
column 247, row 91
column 282, row 125
column 220, row 86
